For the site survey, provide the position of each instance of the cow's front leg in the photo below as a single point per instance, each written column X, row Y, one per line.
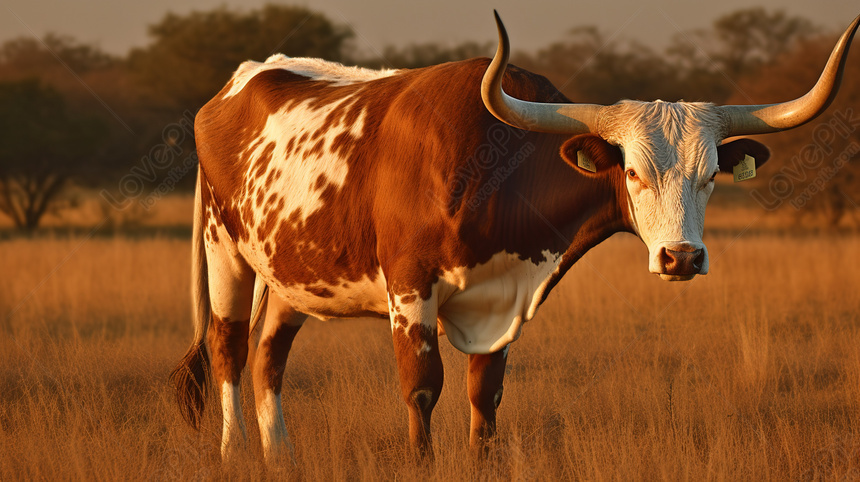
column 486, row 374
column 416, row 345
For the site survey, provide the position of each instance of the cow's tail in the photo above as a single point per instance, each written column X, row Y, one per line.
column 258, row 306
column 191, row 377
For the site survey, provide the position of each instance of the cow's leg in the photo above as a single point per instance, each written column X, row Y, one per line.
column 486, row 374
column 231, row 284
column 416, row 345
column 281, row 323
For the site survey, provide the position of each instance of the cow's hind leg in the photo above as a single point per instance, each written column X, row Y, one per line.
column 416, row 345
column 281, row 323
column 231, row 284
column 486, row 374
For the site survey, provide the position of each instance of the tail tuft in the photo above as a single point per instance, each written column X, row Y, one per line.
column 190, row 379
column 191, row 376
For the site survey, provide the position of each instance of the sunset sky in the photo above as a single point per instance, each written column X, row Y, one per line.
column 118, row 25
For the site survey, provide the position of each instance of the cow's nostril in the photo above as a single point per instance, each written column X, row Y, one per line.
column 700, row 259
column 666, row 259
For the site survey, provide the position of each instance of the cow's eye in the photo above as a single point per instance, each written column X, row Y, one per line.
column 632, row 174
column 713, row 176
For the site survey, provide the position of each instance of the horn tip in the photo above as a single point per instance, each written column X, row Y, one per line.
column 504, row 42
column 499, row 22
column 853, row 26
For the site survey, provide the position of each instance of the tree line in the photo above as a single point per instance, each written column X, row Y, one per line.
column 72, row 114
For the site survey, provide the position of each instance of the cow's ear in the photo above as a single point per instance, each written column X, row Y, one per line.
column 590, row 154
column 731, row 153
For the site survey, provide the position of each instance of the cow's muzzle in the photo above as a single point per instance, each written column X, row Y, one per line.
column 680, row 262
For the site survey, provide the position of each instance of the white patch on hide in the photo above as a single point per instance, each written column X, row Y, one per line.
column 315, row 69
column 293, row 182
column 424, row 348
column 294, row 176
column 273, row 430
column 483, row 308
column 409, row 312
column 233, row 435
column 413, row 309
column 350, row 298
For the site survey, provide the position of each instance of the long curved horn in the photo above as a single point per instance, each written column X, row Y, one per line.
column 532, row 116
column 763, row 119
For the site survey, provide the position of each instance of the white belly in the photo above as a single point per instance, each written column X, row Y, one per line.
column 482, row 309
column 345, row 299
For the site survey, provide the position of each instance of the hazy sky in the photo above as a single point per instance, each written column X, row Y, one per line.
column 117, row 25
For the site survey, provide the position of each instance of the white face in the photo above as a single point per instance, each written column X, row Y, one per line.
column 670, row 160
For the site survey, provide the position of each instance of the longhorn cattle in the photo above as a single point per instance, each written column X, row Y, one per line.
column 433, row 198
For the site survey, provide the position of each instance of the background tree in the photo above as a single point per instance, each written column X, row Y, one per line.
column 27, row 57
column 85, row 85
column 192, row 56
column 422, row 55
column 86, row 77
column 700, row 65
column 711, row 61
column 589, row 67
column 42, row 147
column 809, row 188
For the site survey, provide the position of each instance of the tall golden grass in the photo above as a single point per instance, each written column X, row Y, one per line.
column 750, row 372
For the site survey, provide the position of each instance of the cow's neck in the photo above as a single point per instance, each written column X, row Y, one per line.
column 571, row 213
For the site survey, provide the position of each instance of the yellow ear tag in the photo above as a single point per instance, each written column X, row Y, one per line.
column 745, row 169
column 584, row 162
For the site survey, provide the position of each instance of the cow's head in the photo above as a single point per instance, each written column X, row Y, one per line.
column 670, row 152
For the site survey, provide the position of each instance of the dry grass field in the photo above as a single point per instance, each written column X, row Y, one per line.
column 749, row 373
